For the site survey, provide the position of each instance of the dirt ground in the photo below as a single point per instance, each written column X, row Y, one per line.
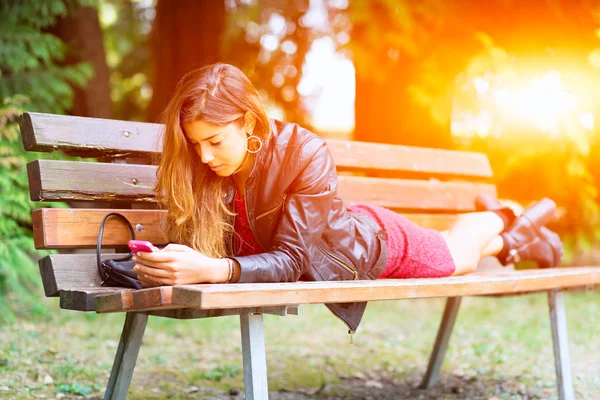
column 372, row 388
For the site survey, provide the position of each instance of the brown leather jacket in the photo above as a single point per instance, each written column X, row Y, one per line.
column 297, row 217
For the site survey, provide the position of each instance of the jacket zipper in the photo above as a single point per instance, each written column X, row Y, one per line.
column 355, row 273
column 272, row 210
column 339, row 261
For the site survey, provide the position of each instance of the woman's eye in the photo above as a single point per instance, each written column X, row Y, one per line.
column 216, row 143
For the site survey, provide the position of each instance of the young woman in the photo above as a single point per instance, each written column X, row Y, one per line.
column 250, row 199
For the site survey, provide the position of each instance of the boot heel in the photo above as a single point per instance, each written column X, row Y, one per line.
column 541, row 212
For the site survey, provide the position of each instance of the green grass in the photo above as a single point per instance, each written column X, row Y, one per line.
column 495, row 340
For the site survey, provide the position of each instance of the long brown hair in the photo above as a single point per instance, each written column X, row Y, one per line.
column 191, row 193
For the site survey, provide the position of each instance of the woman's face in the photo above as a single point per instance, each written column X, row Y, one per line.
column 222, row 148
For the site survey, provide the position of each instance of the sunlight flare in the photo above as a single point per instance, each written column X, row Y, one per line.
column 543, row 102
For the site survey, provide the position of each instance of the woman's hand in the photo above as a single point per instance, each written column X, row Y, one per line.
column 177, row 264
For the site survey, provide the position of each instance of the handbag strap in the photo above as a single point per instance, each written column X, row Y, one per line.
column 101, row 232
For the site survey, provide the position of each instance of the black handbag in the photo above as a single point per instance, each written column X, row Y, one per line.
column 117, row 271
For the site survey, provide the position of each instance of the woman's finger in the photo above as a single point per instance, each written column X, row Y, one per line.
column 164, row 265
column 146, row 283
column 159, row 281
column 157, row 257
column 146, row 270
column 151, row 280
column 176, row 247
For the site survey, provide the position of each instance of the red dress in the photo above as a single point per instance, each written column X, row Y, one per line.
column 413, row 252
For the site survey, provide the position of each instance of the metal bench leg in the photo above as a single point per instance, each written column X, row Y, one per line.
column 441, row 343
column 562, row 362
column 127, row 352
column 253, row 351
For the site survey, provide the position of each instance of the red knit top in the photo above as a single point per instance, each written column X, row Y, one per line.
column 244, row 242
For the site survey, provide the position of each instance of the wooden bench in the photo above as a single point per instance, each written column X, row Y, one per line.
column 428, row 186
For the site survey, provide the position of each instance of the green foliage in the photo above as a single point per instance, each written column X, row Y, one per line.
column 126, row 25
column 29, row 56
column 276, row 71
column 31, row 77
column 220, row 372
column 77, row 388
column 18, row 274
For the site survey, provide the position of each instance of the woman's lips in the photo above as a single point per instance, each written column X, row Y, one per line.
column 216, row 167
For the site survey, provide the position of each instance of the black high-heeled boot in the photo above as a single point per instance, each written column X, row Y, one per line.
column 526, row 238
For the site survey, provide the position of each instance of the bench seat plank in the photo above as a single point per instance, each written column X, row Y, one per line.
column 90, row 137
column 191, row 313
column 256, row 295
column 209, row 296
column 67, row 228
column 84, row 299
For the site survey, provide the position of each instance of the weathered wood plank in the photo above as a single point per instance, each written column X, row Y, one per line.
column 409, row 194
column 62, row 228
column 84, row 299
column 101, row 137
column 386, row 157
column 272, row 294
column 190, row 313
column 158, row 302
column 134, row 183
column 67, row 228
column 53, row 180
column 87, row 136
column 61, row 272
column 115, row 301
column 239, row 296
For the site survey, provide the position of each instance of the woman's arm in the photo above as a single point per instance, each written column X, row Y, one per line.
column 177, row 264
column 302, row 222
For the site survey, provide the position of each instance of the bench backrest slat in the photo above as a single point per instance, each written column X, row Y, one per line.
column 71, row 228
column 70, row 271
column 68, row 228
column 55, row 180
column 83, row 136
column 134, row 183
column 90, row 137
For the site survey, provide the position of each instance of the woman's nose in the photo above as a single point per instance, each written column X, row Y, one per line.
column 205, row 155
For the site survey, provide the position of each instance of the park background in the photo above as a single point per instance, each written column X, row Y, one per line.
column 516, row 80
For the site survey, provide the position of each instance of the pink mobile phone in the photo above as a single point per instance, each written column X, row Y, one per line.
column 140, row 245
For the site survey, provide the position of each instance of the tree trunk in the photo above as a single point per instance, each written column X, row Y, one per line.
column 186, row 34
column 81, row 31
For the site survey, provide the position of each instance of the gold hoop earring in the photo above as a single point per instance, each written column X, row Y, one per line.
column 254, row 138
